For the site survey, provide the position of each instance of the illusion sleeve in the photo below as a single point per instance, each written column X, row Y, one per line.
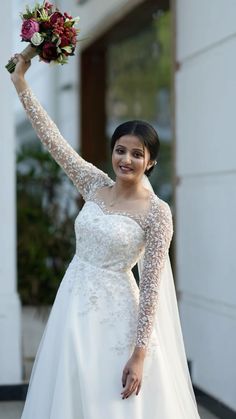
column 85, row 176
column 158, row 237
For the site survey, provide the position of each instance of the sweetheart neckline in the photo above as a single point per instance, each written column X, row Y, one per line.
column 119, row 213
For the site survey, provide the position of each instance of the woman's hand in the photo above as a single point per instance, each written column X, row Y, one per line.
column 18, row 76
column 132, row 375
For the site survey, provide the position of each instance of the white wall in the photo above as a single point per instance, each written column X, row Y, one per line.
column 206, row 192
column 10, row 319
column 95, row 20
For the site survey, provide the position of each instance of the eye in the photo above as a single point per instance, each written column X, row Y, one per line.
column 119, row 150
column 138, row 155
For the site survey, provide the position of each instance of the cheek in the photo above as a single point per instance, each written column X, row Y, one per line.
column 141, row 164
column 114, row 159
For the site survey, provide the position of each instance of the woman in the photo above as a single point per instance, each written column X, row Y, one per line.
column 103, row 333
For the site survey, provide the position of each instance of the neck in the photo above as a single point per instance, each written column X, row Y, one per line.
column 126, row 189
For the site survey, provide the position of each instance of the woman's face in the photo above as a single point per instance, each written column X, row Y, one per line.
column 130, row 158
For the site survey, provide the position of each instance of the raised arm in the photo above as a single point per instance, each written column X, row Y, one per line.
column 158, row 238
column 84, row 175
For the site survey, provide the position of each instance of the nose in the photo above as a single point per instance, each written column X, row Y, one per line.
column 126, row 158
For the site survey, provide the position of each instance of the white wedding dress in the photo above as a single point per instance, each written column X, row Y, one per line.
column 100, row 315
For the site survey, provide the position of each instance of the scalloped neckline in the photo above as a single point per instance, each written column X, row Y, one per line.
column 138, row 217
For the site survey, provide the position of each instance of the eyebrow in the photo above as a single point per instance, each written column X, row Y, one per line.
column 133, row 149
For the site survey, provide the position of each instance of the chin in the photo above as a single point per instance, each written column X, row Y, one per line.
column 127, row 177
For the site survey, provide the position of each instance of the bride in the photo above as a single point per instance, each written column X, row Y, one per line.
column 111, row 350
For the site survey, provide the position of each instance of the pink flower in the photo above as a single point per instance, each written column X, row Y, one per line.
column 29, row 27
column 68, row 37
column 58, row 28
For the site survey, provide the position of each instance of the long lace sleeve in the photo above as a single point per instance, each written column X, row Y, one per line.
column 85, row 176
column 158, row 237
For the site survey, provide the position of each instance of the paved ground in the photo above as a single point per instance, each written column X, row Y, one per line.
column 13, row 411
column 10, row 410
column 203, row 413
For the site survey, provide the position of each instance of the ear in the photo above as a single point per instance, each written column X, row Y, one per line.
column 150, row 164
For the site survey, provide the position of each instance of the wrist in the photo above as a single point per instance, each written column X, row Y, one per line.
column 139, row 353
column 17, row 78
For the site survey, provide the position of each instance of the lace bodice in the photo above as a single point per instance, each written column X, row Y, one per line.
column 156, row 224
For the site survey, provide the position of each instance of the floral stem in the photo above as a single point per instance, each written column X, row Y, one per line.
column 11, row 66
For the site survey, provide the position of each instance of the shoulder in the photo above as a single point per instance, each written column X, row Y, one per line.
column 96, row 179
column 159, row 209
column 160, row 216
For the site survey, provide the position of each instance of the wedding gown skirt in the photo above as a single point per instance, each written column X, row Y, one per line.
column 91, row 333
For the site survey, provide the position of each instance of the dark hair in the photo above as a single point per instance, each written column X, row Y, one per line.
column 146, row 134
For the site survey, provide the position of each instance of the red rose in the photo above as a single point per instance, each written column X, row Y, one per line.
column 55, row 17
column 49, row 52
column 45, row 26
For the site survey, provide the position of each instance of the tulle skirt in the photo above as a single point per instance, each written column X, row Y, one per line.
column 77, row 371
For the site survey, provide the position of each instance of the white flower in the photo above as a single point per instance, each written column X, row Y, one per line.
column 37, row 39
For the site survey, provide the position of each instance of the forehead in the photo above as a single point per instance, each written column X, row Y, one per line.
column 130, row 141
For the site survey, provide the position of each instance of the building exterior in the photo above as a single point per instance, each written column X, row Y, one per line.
column 204, row 165
column 206, row 193
column 10, row 348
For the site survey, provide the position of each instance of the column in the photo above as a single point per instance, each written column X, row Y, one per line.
column 10, row 314
column 206, row 190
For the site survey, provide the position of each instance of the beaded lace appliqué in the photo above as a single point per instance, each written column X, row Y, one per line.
column 157, row 224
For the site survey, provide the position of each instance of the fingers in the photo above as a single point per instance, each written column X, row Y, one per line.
column 124, row 376
column 19, row 58
column 138, row 388
column 14, row 59
column 131, row 386
column 24, row 59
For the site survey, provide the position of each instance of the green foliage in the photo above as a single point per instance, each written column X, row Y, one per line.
column 139, row 86
column 161, row 177
column 162, row 28
column 139, row 67
column 45, row 231
column 32, row 12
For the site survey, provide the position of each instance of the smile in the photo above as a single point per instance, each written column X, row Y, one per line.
column 126, row 169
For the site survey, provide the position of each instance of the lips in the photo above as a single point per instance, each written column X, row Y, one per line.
column 125, row 169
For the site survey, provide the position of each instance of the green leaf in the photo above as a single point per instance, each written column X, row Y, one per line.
column 67, row 49
column 55, row 38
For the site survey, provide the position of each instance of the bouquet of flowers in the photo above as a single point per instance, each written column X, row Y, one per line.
column 51, row 34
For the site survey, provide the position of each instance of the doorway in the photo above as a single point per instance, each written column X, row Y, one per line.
column 126, row 74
